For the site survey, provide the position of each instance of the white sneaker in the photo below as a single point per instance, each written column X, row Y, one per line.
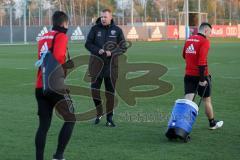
column 218, row 124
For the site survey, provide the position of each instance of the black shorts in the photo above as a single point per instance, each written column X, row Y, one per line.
column 191, row 84
column 47, row 102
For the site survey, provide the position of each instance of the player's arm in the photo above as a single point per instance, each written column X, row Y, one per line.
column 90, row 46
column 202, row 61
column 201, row 73
column 60, row 48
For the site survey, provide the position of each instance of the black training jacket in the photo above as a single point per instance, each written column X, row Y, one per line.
column 107, row 38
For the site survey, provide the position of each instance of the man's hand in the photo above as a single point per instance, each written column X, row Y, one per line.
column 108, row 53
column 204, row 83
column 101, row 51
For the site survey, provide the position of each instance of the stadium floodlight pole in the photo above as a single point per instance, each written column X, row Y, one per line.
column 132, row 14
column 123, row 13
column 11, row 27
column 98, row 8
column 71, row 12
column 86, row 10
column 49, row 16
column 25, row 22
column 167, row 14
column 60, row 5
column 199, row 12
column 186, row 19
column 215, row 14
column 40, row 12
column 230, row 12
column 145, row 10
column 1, row 21
column 29, row 17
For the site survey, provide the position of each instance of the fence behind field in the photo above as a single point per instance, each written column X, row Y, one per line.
column 26, row 21
column 134, row 33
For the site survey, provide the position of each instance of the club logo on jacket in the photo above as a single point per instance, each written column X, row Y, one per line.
column 113, row 32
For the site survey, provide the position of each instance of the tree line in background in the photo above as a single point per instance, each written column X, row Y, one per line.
column 86, row 11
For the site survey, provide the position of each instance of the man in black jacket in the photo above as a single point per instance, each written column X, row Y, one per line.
column 103, row 42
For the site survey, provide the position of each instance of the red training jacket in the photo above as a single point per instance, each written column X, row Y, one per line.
column 59, row 50
column 195, row 53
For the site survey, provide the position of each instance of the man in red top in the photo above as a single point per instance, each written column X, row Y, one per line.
column 46, row 102
column 195, row 53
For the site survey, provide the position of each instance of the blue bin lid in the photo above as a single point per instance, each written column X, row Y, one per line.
column 191, row 103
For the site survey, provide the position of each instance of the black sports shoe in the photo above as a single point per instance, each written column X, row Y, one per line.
column 110, row 124
column 97, row 120
column 216, row 125
column 58, row 157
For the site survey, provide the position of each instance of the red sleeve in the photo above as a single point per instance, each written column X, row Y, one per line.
column 60, row 48
column 203, row 52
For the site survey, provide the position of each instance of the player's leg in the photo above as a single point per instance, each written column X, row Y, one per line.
column 213, row 124
column 208, row 107
column 63, row 139
column 95, row 89
column 109, row 93
column 190, row 86
column 189, row 96
column 45, row 116
column 64, row 107
column 40, row 138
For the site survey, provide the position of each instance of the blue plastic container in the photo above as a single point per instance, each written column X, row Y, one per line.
column 182, row 119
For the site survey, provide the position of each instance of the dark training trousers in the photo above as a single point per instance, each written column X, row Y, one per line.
column 109, row 93
column 46, row 105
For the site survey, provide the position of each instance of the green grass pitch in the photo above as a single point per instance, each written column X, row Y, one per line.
column 131, row 139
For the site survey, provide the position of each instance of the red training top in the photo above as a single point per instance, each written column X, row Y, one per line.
column 195, row 53
column 59, row 50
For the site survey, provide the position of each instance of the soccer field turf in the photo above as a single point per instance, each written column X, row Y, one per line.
column 131, row 139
